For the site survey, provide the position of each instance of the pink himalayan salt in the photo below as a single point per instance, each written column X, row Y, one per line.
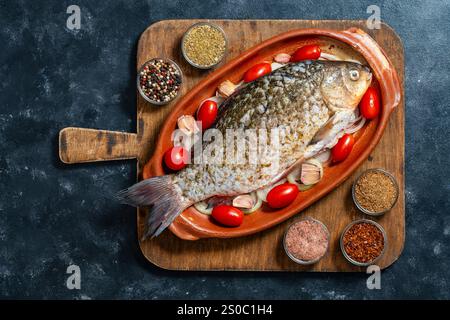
column 307, row 240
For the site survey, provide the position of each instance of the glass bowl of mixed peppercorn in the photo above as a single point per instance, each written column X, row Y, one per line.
column 159, row 81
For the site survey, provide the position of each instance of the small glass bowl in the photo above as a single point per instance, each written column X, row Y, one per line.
column 363, row 264
column 361, row 208
column 138, row 82
column 300, row 261
column 192, row 63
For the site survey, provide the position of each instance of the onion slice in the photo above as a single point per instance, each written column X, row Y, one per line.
column 328, row 56
column 203, row 207
column 333, row 57
column 324, row 156
column 294, row 176
column 356, row 126
column 217, row 99
column 276, row 65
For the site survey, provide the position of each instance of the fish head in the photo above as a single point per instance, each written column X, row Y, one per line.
column 344, row 84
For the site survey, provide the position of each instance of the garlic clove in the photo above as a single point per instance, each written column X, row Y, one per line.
column 227, row 88
column 282, row 58
column 311, row 173
column 188, row 125
column 245, row 201
column 317, row 163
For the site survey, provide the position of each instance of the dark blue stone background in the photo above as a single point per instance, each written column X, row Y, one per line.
column 53, row 215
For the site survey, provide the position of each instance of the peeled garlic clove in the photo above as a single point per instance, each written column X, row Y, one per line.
column 227, row 88
column 187, row 125
column 245, row 201
column 311, row 173
column 282, row 58
column 317, row 163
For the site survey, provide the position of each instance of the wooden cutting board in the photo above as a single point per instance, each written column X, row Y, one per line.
column 262, row 251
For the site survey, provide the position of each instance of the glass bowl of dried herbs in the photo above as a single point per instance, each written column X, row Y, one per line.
column 204, row 45
column 375, row 192
column 363, row 242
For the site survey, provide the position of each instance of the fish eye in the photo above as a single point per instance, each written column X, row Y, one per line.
column 354, row 74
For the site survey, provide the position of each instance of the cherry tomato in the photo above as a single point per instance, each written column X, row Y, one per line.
column 370, row 104
column 308, row 52
column 258, row 70
column 207, row 113
column 343, row 148
column 228, row 215
column 282, row 195
column 176, row 158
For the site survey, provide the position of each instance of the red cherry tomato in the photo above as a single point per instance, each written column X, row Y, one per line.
column 282, row 195
column 207, row 113
column 228, row 215
column 308, row 52
column 258, row 70
column 176, row 158
column 343, row 148
column 370, row 104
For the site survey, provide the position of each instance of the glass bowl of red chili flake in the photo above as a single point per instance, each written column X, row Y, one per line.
column 363, row 242
column 159, row 81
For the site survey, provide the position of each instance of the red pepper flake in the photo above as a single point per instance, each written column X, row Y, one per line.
column 363, row 242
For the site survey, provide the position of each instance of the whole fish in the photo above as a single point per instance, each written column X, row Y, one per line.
column 309, row 101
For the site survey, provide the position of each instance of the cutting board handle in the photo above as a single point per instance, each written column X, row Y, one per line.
column 78, row 145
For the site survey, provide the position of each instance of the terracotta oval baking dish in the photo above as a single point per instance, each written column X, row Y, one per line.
column 192, row 225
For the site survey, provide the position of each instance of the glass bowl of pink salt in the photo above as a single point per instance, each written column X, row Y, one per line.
column 306, row 241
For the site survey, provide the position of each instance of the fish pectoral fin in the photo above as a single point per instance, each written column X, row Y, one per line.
column 335, row 124
column 325, row 130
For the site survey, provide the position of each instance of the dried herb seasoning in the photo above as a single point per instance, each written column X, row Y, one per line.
column 204, row 45
column 375, row 191
column 363, row 242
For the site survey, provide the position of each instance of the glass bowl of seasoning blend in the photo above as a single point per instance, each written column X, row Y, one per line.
column 159, row 81
column 375, row 192
column 204, row 45
column 306, row 241
column 363, row 242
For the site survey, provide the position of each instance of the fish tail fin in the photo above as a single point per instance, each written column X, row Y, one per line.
column 164, row 200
